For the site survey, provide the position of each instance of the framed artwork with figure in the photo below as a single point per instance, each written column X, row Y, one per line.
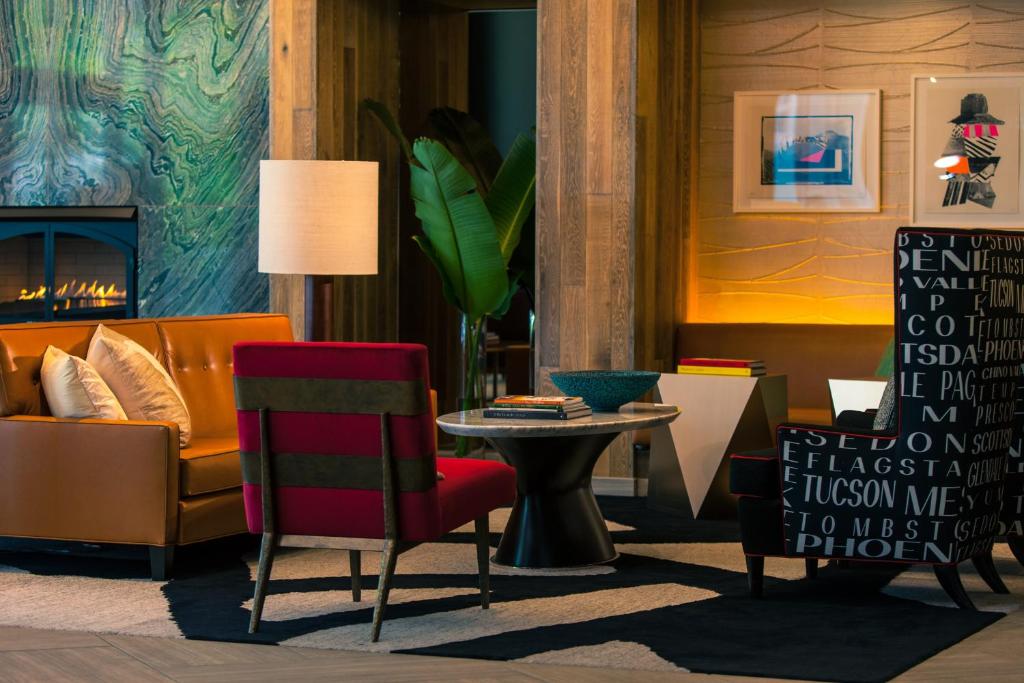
column 966, row 150
column 806, row 151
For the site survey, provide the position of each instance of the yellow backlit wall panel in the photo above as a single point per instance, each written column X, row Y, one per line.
column 831, row 268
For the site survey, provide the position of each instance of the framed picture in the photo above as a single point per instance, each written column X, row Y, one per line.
column 806, row 150
column 966, row 151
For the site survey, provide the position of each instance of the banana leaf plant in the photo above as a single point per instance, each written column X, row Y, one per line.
column 471, row 144
column 472, row 206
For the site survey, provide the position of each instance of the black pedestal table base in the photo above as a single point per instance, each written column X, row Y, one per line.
column 555, row 521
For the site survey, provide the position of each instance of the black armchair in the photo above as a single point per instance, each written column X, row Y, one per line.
column 1011, row 520
column 930, row 491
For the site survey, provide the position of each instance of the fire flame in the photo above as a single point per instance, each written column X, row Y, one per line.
column 83, row 295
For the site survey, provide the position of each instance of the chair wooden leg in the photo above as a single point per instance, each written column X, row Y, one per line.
column 811, row 567
column 1016, row 544
column 161, row 561
column 755, row 575
column 483, row 561
column 949, row 579
column 355, row 565
column 987, row 570
column 388, row 558
column 267, row 548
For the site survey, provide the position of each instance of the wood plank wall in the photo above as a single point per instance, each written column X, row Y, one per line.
column 666, row 138
column 326, row 56
column 292, row 119
column 825, row 268
column 435, row 72
column 586, row 71
column 357, row 58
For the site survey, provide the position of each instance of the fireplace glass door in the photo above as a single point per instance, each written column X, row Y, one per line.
column 90, row 278
column 22, row 277
column 68, row 270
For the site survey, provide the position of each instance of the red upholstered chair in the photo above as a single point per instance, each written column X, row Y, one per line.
column 338, row 450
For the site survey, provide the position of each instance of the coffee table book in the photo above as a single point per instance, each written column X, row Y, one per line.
column 537, row 413
column 721, row 370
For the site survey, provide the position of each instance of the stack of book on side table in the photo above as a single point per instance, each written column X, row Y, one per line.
column 721, row 366
column 538, row 408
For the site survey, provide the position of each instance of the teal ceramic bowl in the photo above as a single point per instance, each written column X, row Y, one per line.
column 606, row 390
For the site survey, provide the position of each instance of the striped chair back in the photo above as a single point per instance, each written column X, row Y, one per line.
column 348, row 433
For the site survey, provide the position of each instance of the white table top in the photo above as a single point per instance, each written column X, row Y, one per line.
column 630, row 416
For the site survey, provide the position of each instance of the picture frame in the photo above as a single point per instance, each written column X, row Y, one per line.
column 811, row 151
column 966, row 154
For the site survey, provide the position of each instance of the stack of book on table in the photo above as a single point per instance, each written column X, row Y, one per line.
column 721, row 366
column 538, row 408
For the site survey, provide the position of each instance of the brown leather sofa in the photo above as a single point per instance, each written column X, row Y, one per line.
column 105, row 481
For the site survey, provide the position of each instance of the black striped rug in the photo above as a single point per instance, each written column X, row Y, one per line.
column 675, row 600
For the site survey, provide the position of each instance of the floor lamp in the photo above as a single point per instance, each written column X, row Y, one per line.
column 318, row 219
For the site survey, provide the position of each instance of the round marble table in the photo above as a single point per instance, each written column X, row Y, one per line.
column 555, row 521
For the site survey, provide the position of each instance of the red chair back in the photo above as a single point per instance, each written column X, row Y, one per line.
column 325, row 405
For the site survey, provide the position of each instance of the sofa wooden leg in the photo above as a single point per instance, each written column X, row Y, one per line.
column 987, row 570
column 355, row 564
column 949, row 579
column 811, row 567
column 267, row 547
column 755, row 575
column 161, row 561
column 483, row 561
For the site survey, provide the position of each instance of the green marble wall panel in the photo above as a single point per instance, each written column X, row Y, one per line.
column 156, row 103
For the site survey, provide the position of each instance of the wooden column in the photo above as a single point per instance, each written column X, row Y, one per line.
column 357, row 58
column 586, row 203
column 326, row 56
column 434, row 73
column 666, row 141
column 292, row 120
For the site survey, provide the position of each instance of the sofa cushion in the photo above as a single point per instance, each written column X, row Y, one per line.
column 21, row 356
column 472, row 488
column 140, row 382
column 210, row 464
column 755, row 473
column 74, row 389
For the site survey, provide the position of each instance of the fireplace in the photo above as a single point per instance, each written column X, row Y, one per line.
column 67, row 264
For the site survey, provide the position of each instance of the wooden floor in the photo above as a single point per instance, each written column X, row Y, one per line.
column 995, row 654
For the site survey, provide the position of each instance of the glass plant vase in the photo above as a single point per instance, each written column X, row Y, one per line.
column 473, row 363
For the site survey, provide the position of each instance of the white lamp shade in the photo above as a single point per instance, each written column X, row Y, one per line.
column 318, row 217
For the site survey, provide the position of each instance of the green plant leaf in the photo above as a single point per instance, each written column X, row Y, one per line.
column 383, row 114
column 446, row 285
column 525, row 256
column 459, row 228
column 470, row 143
column 511, row 198
column 513, row 287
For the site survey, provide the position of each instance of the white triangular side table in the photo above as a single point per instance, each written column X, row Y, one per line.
column 720, row 415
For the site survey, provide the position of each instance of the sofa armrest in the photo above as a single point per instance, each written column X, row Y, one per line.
column 107, row 481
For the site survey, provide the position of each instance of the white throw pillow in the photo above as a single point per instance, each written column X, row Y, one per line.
column 74, row 389
column 140, row 383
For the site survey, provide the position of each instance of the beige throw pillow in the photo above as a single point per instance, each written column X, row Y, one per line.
column 74, row 389
column 140, row 383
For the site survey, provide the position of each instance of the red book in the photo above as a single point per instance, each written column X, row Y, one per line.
column 722, row 362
